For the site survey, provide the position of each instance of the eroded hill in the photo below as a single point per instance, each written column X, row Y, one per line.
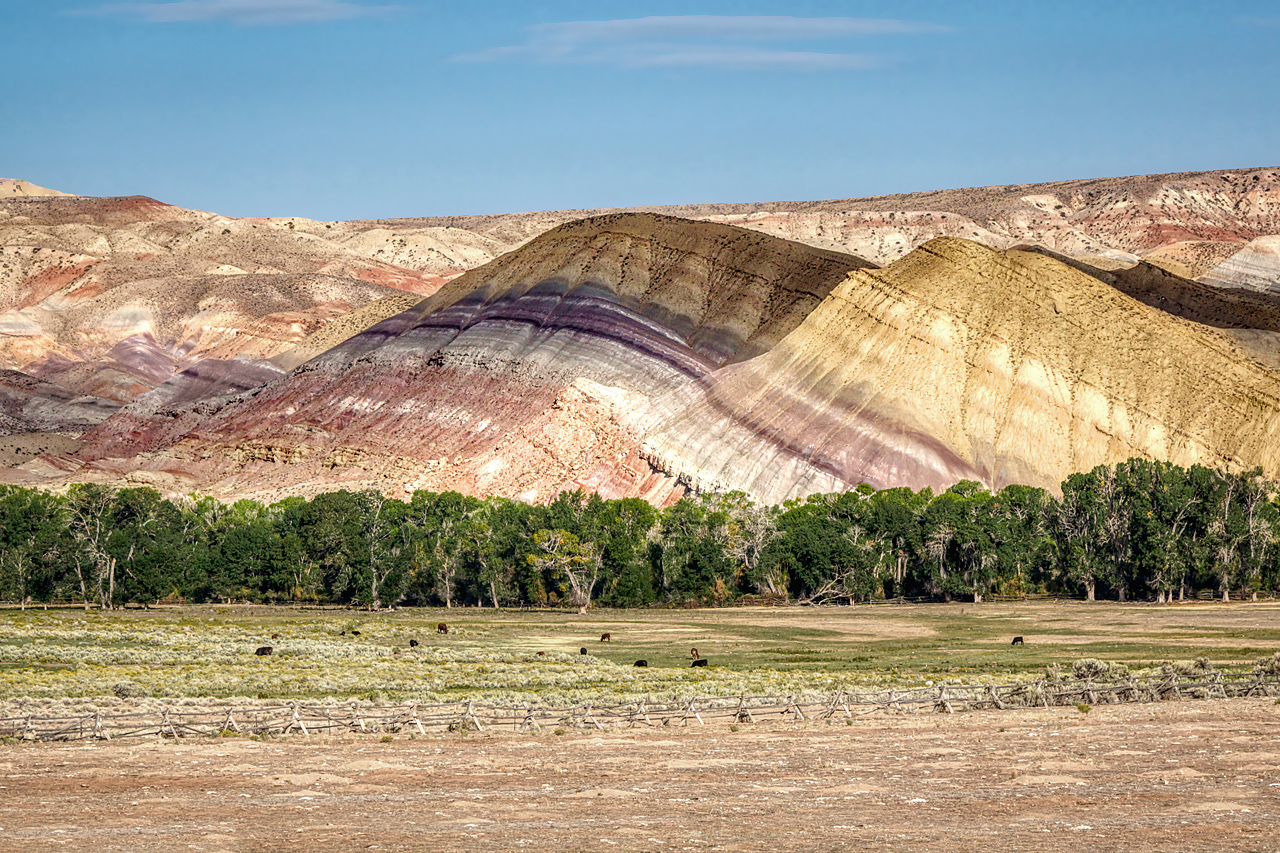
column 1014, row 334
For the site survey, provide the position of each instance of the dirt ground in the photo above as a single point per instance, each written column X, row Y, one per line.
column 1179, row 776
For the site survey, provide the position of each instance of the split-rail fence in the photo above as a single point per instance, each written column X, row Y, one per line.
column 420, row 718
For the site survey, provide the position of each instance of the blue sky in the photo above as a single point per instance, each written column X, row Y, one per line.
column 345, row 109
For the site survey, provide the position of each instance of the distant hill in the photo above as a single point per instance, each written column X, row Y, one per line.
column 1001, row 334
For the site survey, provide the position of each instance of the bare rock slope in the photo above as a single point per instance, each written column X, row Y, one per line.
column 1017, row 333
column 965, row 362
column 517, row 379
column 112, row 296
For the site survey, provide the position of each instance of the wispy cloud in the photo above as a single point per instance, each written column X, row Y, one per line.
column 699, row 40
column 243, row 12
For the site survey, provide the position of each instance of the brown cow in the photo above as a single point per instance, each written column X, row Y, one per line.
column 442, row 628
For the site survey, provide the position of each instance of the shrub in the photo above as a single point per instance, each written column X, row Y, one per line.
column 1268, row 666
column 128, row 690
column 1094, row 669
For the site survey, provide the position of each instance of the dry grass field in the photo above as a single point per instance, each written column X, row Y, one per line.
column 1195, row 775
column 208, row 652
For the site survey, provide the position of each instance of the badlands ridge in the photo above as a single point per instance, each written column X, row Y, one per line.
column 1000, row 334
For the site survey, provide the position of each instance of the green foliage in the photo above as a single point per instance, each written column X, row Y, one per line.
column 1140, row 529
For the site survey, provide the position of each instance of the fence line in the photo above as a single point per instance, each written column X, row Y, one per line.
column 418, row 718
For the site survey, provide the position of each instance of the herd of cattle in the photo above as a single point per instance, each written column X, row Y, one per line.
column 443, row 628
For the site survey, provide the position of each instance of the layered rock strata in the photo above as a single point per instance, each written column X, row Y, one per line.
column 963, row 362
column 113, row 296
column 521, row 378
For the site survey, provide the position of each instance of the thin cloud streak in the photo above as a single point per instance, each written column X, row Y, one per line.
column 698, row 40
column 728, row 57
column 243, row 12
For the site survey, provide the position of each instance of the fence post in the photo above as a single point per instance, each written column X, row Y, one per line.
column 356, row 719
column 837, row 699
column 943, row 705
column 743, row 714
column 529, row 720
column 413, row 717
column 98, row 731
column 470, row 715
column 689, row 709
column 295, row 721
column 793, row 708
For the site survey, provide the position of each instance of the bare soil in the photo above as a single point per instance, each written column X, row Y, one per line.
column 1179, row 776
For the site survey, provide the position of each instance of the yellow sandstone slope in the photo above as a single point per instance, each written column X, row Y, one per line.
column 961, row 361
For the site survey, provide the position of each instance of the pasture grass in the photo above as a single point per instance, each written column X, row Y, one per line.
column 189, row 652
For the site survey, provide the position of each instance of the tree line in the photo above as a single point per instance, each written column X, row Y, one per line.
column 1137, row 530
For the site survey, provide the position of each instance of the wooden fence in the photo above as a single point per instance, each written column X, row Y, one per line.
column 415, row 718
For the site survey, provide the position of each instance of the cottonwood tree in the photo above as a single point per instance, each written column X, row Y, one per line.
column 89, row 511
column 560, row 553
column 1077, row 523
column 32, row 528
column 381, row 523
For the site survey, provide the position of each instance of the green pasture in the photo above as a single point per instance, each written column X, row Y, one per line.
column 208, row 651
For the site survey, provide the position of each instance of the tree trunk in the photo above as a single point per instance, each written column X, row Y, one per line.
column 493, row 593
column 1090, row 590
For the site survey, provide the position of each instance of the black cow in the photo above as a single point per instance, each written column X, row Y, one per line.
column 263, row 651
column 641, row 663
column 699, row 662
column 1017, row 641
column 413, row 644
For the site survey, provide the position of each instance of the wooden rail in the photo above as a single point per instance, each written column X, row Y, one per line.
column 417, row 718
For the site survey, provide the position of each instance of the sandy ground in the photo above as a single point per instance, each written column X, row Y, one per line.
column 1184, row 776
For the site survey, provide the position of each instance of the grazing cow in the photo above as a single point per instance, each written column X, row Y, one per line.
column 693, row 653
column 413, row 644
column 583, row 650
column 604, row 638
column 263, row 651
column 699, row 662
column 275, row 636
column 442, row 628
column 542, row 654
column 641, row 663
column 355, row 633
column 1017, row 641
